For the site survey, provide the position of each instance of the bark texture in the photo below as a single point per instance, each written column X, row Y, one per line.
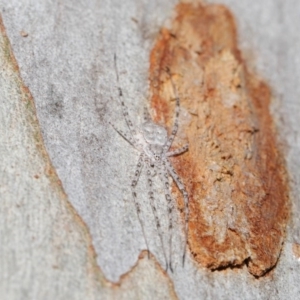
column 68, row 225
column 237, row 183
column 46, row 251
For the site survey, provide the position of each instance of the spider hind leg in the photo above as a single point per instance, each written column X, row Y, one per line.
column 157, row 222
column 183, row 191
column 136, row 203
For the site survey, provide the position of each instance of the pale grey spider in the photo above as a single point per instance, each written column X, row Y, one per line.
column 154, row 152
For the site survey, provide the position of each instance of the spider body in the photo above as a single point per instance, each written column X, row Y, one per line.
column 155, row 137
column 154, row 134
column 153, row 146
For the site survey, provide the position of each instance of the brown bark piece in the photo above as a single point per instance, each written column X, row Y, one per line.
column 233, row 170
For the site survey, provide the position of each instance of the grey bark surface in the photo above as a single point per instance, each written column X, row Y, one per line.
column 66, row 61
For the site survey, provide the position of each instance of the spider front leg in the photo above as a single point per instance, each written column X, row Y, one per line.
column 151, row 197
column 182, row 189
column 178, row 151
column 177, row 110
column 136, row 203
column 124, row 108
column 125, row 136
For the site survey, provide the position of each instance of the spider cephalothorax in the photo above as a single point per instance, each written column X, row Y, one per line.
column 154, row 153
column 156, row 137
column 154, row 134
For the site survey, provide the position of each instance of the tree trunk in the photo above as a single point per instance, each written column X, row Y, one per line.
column 69, row 227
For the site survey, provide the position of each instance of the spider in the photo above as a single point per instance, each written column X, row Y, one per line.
column 153, row 143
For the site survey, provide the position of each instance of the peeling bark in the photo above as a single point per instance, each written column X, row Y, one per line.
column 235, row 173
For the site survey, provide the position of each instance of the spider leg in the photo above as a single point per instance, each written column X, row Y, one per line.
column 124, row 108
column 124, row 135
column 175, row 125
column 182, row 189
column 178, row 151
column 170, row 202
column 136, row 203
column 147, row 117
column 158, row 226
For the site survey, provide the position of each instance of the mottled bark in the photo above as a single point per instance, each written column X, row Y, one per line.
column 68, row 224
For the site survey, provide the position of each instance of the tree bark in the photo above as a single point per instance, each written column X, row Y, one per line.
column 68, row 223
